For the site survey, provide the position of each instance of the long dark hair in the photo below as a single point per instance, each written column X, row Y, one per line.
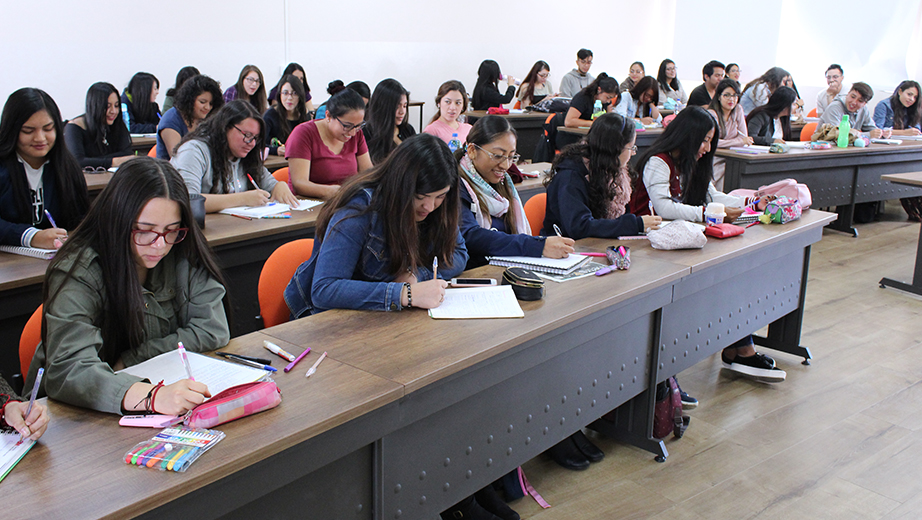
column 421, row 164
column 444, row 89
column 139, row 90
column 258, row 100
column 486, row 130
column 682, row 139
column 609, row 134
column 719, row 109
column 531, row 79
column 772, row 79
column 487, row 77
column 107, row 231
column 607, row 84
column 286, row 125
column 97, row 104
column 906, row 117
column 381, row 115
column 646, row 83
column 780, row 99
column 290, row 69
column 181, row 77
column 184, row 101
column 664, row 82
column 213, row 132
column 69, row 183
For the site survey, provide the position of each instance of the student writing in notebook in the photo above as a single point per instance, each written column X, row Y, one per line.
column 386, row 119
column 38, row 175
column 640, row 102
column 222, row 160
column 13, row 413
column 731, row 123
column 604, row 89
column 287, row 111
column 451, row 104
column 140, row 98
column 199, row 97
column 99, row 137
column 133, row 280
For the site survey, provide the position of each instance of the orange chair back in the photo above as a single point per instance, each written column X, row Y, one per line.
column 274, row 277
column 534, row 212
column 807, row 131
column 152, row 152
column 518, row 105
column 28, row 341
column 281, row 174
column 812, row 113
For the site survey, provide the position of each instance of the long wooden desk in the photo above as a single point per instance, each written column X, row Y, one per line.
column 409, row 414
column 836, row 177
column 915, row 286
column 528, row 127
column 142, row 144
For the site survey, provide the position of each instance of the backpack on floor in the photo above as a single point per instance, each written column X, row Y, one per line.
column 668, row 415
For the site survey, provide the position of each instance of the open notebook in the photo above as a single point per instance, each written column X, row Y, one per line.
column 478, row 302
column 541, row 264
column 216, row 374
column 273, row 208
column 34, row 252
column 11, row 450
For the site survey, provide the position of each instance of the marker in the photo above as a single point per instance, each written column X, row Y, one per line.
column 50, row 219
column 557, row 230
column 248, row 358
column 278, row 351
column 650, row 205
column 38, row 380
column 593, row 254
column 313, row 369
column 251, row 363
column 295, row 362
column 241, row 216
column 605, row 270
column 751, row 224
column 252, row 181
column 185, row 361
column 435, row 267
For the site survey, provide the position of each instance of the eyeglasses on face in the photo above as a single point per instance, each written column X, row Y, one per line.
column 145, row 237
column 587, row 61
column 251, row 81
column 543, row 75
column 633, row 149
column 247, row 137
column 730, row 95
column 514, row 158
column 348, row 127
column 288, row 93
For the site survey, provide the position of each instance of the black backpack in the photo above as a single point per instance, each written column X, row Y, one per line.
column 546, row 148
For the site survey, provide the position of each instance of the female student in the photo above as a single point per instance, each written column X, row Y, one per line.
column 221, row 159
column 287, row 111
column 731, row 123
column 99, row 137
column 296, row 70
column 377, row 236
column 757, row 91
column 733, row 72
column 117, row 294
column 493, row 218
column 386, row 119
column 604, row 89
column 903, row 112
column 323, row 153
column 198, row 97
column 535, row 87
column 336, row 86
column 140, row 98
column 669, row 84
column 181, row 77
column 40, row 181
column 250, row 87
column 13, row 413
column 486, row 91
column 640, row 102
column 634, row 74
column 761, row 121
column 451, row 104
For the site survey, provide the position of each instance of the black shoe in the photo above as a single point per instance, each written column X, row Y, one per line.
column 591, row 451
column 568, row 455
column 758, row 367
column 490, row 500
column 467, row 509
column 688, row 402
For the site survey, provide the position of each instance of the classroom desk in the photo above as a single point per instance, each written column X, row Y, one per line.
column 275, row 162
column 836, row 177
column 405, row 419
column 528, row 127
column 142, row 144
column 643, row 139
column 914, row 287
column 96, row 182
column 530, row 187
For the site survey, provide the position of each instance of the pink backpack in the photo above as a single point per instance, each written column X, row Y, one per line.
column 790, row 188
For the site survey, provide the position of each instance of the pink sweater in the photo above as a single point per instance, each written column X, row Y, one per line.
column 735, row 124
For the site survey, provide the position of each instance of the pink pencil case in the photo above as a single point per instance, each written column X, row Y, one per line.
column 234, row 403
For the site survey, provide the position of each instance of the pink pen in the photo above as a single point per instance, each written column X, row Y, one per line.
column 295, row 362
column 185, row 360
column 592, row 254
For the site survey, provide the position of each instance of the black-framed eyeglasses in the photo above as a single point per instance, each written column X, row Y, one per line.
column 348, row 127
column 147, row 237
column 247, row 137
column 633, row 150
column 252, row 81
column 730, row 96
column 514, row 158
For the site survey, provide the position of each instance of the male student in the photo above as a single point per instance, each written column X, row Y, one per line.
column 711, row 73
column 834, row 79
column 578, row 78
column 854, row 104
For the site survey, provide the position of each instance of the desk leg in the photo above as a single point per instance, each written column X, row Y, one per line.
column 845, row 222
column 784, row 333
column 916, row 286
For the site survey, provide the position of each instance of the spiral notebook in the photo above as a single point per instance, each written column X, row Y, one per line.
column 34, row 252
column 541, row 264
column 11, row 450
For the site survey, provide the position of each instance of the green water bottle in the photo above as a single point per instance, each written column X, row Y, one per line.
column 597, row 109
column 844, row 129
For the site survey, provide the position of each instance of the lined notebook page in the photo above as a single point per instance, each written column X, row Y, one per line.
column 216, row 374
column 11, row 451
column 478, row 302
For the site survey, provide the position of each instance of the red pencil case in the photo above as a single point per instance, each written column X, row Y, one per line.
column 497, row 111
column 723, row 230
column 234, row 403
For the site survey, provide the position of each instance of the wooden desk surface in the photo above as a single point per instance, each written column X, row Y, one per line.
column 77, row 470
column 274, row 162
column 96, row 182
column 910, row 178
column 143, row 143
column 797, row 153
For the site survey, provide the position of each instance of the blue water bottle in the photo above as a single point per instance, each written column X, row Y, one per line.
column 455, row 143
column 125, row 116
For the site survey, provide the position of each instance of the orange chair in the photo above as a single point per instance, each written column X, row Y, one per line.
column 534, row 212
column 28, row 341
column 807, row 131
column 812, row 113
column 274, row 277
column 281, row 174
column 152, row 152
column 518, row 105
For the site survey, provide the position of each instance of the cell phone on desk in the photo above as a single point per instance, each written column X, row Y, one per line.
column 472, row 282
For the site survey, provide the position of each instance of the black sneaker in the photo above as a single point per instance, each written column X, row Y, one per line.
column 759, row 367
column 688, row 402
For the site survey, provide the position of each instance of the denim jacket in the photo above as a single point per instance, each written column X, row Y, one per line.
column 349, row 270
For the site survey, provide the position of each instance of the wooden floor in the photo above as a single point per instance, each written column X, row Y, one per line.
column 840, row 439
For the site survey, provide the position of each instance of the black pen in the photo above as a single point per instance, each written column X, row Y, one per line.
column 261, row 361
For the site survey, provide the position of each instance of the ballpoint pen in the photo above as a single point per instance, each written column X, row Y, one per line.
column 262, row 361
column 251, row 364
column 185, row 360
column 38, row 381
column 557, row 230
column 435, row 267
column 313, row 369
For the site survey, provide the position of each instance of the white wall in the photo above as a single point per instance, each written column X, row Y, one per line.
column 63, row 47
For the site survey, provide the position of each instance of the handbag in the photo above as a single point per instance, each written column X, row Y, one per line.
column 790, row 188
column 723, row 230
column 668, row 416
column 234, row 403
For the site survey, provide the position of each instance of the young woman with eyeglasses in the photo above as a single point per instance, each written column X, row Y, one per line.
column 322, row 154
column 287, row 111
column 534, row 87
column 134, row 280
column 669, row 84
column 250, row 87
column 731, row 124
column 99, row 137
column 222, row 160
column 296, row 70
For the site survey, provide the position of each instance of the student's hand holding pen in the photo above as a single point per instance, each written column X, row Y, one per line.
column 426, row 295
column 31, row 427
column 52, row 238
column 255, row 198
column 557, row 247
column 651, row 222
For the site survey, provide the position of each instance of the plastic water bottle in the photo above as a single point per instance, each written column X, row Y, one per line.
column 597, row 109
column 455, row 143
column 844, row 129
column 125, row 116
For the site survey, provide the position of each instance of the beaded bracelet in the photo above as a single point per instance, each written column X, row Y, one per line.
column 148, row 401
column 409, row 294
